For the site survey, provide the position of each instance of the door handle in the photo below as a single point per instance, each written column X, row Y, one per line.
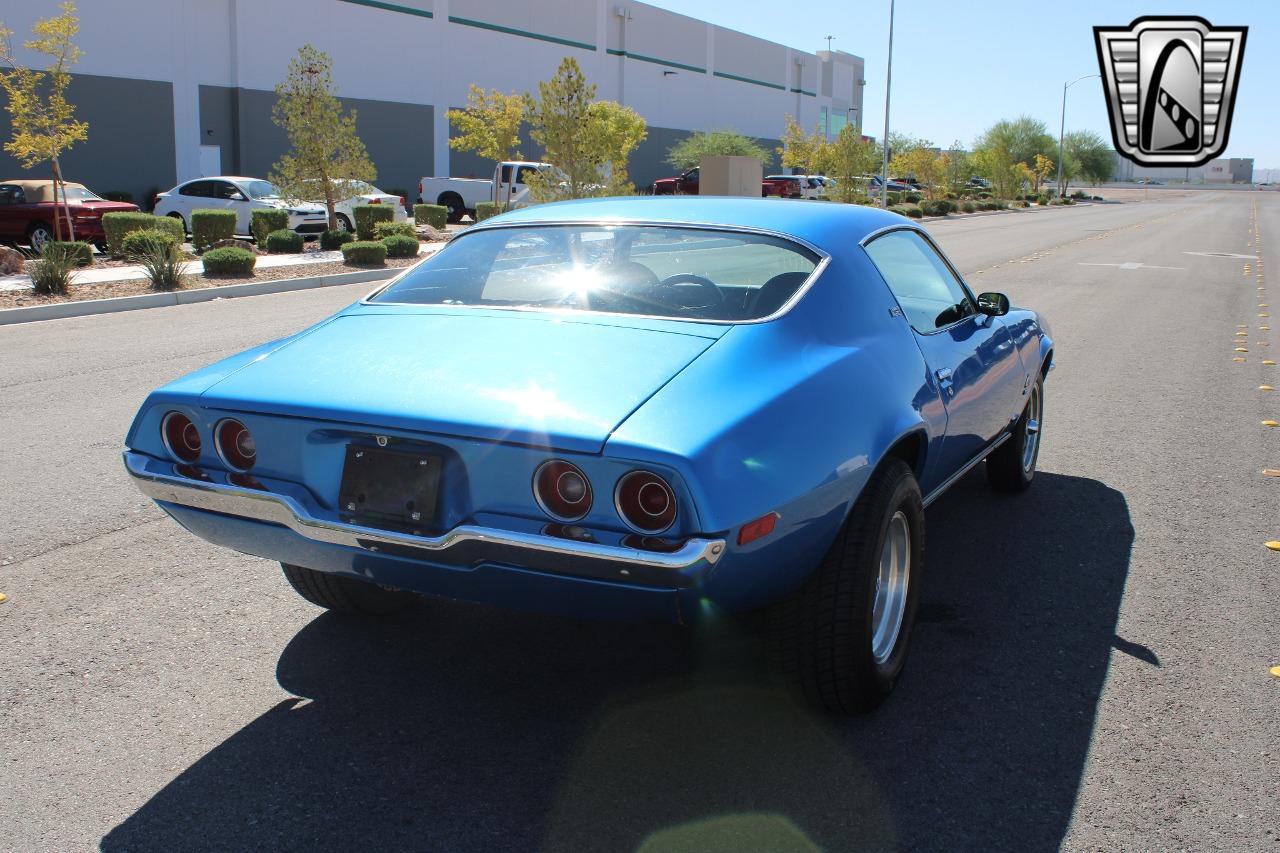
column 944, row 375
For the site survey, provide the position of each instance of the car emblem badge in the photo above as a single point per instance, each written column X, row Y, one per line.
column 1171, row 85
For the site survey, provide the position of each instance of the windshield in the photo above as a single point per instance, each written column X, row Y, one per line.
column 663, row 271
column 260, row 189
column 80, row 194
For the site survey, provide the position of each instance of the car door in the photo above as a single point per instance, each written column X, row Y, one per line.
column 190, row 196
column 225, row 195
column 973, row 363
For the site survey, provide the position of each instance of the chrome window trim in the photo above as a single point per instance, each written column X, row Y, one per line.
column 824, row 260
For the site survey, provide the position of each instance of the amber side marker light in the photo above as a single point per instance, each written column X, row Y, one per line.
column 758, row 529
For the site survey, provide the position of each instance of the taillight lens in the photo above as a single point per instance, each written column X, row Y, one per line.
column 646, row 502
column 181, row 438
column 235, row 444
column 402, row 201
column 562, row 490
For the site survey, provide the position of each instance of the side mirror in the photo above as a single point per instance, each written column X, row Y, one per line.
column 993, row 304
column 236, row 197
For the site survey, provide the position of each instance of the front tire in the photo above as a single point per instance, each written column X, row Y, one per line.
column 345, row 595
column 39, row 235
column 343, row 223
column 844, row 636
column 1013, row 465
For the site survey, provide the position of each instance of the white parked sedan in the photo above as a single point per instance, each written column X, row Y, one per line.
column 345, row 210
column 242, row 195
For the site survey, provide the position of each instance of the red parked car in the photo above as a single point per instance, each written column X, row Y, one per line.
column 26, row 213
column 687, row 184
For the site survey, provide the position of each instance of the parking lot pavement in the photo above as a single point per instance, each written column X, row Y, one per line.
column 1090, row 671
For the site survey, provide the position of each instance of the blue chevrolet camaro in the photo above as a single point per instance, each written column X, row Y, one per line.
column 631, row 408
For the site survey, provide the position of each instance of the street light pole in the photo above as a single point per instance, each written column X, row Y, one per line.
column 1062, row 128
column 888, row 82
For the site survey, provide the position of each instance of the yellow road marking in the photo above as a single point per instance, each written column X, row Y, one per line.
column 1271, row 423
column 1274, row 545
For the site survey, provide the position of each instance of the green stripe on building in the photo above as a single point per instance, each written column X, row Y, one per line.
column 805, row 92
column 667, row 62
column 391, row 7
column 729, row 76
column 467, row 22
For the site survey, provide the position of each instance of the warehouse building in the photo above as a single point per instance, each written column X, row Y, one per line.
column 177, row 89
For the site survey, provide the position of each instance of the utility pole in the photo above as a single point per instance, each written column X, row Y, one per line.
column 888, row 82
column 1062, row 127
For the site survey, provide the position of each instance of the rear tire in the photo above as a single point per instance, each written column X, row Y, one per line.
column 345, row 595
column 178, row 216
column 843, row 637
column 1013, row 465
column 457, row 209
column 344, row 224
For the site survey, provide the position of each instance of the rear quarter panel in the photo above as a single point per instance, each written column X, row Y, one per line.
column 790, row 416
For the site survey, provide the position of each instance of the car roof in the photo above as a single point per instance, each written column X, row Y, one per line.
column 38, row 188
column 220, row 178
column 827, row 225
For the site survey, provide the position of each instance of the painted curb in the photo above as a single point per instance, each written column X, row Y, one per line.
column 89, row 307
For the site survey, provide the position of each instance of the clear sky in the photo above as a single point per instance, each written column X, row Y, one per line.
column 960, row 66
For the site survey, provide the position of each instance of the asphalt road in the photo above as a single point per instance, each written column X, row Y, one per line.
column 1090, row 671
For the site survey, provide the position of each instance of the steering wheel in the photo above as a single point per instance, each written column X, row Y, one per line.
column 670, row 293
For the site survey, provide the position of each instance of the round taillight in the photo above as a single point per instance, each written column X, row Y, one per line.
column 562, row 490
column 646, row 502
column 181, row 438
column 235, row 444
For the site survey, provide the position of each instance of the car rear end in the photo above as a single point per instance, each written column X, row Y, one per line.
column 395, row 202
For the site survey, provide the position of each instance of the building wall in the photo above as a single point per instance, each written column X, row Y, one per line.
column 404, row 63
column 130, row 122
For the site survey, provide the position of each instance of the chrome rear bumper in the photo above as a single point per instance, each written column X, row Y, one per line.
column 463, row 545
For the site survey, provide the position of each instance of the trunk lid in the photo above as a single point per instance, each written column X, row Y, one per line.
column 515, row 377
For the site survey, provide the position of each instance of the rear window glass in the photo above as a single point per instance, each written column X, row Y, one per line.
column 682, row 273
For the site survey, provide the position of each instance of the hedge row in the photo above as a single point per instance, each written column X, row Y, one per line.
column 229, row 261
column 263, row 222
column 117, row 225
column 369, row 215
column 284, row 241
column 435, row 215
column 82, row 252
column 210, row 226
column 370, row 253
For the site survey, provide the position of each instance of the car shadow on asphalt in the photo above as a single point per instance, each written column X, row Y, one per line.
column 460, row 727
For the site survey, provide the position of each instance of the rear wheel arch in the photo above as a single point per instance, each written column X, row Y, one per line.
column 910, row 448
column 1046, row 363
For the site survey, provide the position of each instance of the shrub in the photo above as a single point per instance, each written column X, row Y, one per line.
column 284, row 241
column 368, row 215
column 968, row 206
column 937, row 207
column 950, row 196
column 54, row 270
column 229, row 261
column 400, row 246
column 435, row 215
column 912, row 197
column 263, row 222
column 160, row 260
column 117, row 225
column 907, row 210
column 382, row 230
column 485, row 209
column 984, row 195
column 335, row 238
column 210, row 226
column 82, row 252
column 987, row 204
column 140, row 243
column 894, row 199
column 365, row 253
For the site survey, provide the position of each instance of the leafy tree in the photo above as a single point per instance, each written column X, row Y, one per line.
column 1089, row 154
column 800, row 150
column 921, row 163
column 326, row 155
column 614, row 131
column 587, row 141
column 489, row 125
column 688, row 152
column 994, row 163
column 848, row 158
column 1022, row 139
column 1043, row 168
column 959, row 168
column 43, row 120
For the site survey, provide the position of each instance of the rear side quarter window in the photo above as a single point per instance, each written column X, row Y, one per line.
column 929, row 293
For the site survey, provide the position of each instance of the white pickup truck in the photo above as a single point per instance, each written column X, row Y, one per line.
column 461, row 195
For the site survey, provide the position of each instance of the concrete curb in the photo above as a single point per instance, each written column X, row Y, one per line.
column 88, row 307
